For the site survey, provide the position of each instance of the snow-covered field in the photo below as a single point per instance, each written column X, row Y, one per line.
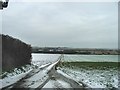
column 95, row 78
column 41, row 59
column 105, row 75
column 38, row 60
column 14, row 76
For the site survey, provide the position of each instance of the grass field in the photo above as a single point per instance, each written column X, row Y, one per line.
column 94, row 74
column 91, row 65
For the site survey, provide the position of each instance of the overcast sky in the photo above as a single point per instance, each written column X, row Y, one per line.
column 67, row 24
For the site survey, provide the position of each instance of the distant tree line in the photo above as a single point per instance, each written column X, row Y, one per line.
column 15, row 53
column 63, row 50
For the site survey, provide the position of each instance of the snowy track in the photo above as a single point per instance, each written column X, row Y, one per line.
column 47, row 77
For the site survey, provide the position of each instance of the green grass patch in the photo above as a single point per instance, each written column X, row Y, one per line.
column 90, row 65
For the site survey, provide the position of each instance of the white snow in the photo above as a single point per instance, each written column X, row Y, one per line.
column 40, row 60
column 58, row 83
column 63, row 83
column 42, row 66
column 51, row 66
column 49, row 84
column 38, row 79
column 94, row 78
column 12, row 79
column 59, row 71
column 44, row 58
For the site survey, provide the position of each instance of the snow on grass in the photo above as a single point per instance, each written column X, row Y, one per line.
column 94, row 78
column 13, row 79
column 38, row 61
column 98, row 71
column 16, row 75
column 44, row 58
column 37, row 79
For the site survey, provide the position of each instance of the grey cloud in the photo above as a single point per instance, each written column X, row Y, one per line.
column 63, row 24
